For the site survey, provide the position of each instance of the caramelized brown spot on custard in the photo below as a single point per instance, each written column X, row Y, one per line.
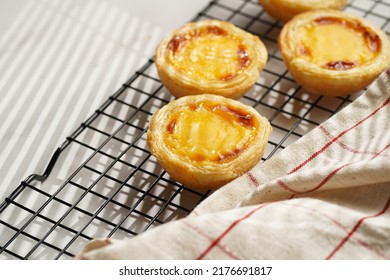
column 340, row 65
column 176, row 43
column 171, row 126
column 246, row 120
column 216, row 30
column 303, row 50
column 198, row 157
column 328, row 20
column 373, row 41
column 229, row 155
column 179, row 40
column 228, row 77
column 243, row 62
column 242, row 118
column 243, row 57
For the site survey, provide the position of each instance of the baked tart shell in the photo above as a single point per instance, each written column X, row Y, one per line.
column 205, row 141
column 333, row 53
column 210, row 56
column 284, row 10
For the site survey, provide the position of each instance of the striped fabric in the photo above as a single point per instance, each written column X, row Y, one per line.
column 59, row 61
column 327, row 196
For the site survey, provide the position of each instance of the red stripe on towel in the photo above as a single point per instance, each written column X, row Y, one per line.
column 209, row 238
column 334, row 139
column 253, row 179
column 229, row 229
column 342, row 227
column 329, row 176
column 346, row 147
column 355, row 228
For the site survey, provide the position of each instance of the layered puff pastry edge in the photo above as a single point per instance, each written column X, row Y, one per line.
column 333, row 53
column 284, row 10
column 210, row 56
column 205, row 141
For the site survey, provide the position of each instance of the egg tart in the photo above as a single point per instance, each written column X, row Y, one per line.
column 284, row 10
column 205, row 141
column 333, row 53
column 210, row 56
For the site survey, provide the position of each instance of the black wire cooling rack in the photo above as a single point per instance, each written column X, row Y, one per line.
column 113, row 187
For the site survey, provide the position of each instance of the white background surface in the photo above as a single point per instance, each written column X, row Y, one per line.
column 60, row 60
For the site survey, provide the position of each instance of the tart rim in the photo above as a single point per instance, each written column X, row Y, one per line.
column 288, row 49
column 330, row 82
column 295, row 7
column 179, row 84
column 212, row 175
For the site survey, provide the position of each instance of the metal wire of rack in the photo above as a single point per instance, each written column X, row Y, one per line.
column 113, row 187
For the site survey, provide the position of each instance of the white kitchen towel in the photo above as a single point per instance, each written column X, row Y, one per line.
column 327, row 196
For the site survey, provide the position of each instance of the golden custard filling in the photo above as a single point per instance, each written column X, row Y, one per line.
column 337, row 44
column 209, row 133
column 208, row 53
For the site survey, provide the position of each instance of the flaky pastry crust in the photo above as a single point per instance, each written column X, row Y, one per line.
column 350, row 66
column 205, row 141
column 284, row 10
column 210, row 56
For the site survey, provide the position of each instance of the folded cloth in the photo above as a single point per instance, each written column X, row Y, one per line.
column 327, row 196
